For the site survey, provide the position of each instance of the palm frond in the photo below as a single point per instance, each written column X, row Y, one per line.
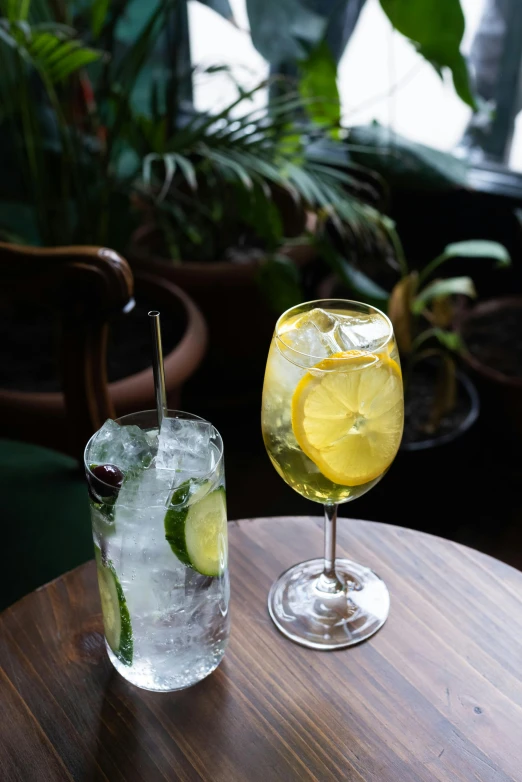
column 50, row 51
column 265, row 147
column 228, row 166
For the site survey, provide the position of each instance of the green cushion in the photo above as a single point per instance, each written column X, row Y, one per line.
column 45, row 519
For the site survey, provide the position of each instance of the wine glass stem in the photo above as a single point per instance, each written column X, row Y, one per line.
column 328, row 581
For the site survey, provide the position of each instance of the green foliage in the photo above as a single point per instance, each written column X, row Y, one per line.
column 99, row 10
column 210, row 181
column 475, row 248
column 405, row 163
column 439, row 289
column 422, row 312
column 54, row 53
column 478, row 248
column 362, row 287
column 448, row 339
column 103, row 138
column 256, row 162
column 283, row 30
column 288, row 32
column 422, row 309
column 435, row 27
column 430, row 300
column 279, row 281
column 318, row 86
column 221, row 7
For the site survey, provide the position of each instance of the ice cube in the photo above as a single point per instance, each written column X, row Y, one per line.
column 323, row 321
column 320, row 333
column 125, row 446
column 146, row 489
column 184, row 445
column 195, row 582
column 310, row 334
column 361, row 332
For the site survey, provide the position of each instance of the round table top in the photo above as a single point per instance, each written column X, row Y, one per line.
column 435, row 695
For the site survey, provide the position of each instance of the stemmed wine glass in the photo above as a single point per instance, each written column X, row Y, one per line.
column 332, row 421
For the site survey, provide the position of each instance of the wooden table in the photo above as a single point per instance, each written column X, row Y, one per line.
column 435, row 695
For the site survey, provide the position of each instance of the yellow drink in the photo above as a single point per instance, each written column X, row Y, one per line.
column 332, row 411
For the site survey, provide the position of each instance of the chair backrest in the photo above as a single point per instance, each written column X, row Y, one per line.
column 84, row 287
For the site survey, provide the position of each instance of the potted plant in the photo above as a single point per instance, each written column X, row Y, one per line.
column 490, row 335
column 223, row 192
column 68, row 188
column 119, row 134
column 441, row 401
column 231, row 214
column 32, row 403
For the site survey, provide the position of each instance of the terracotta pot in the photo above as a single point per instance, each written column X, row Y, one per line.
column 40, row 417
column 239, row 319
column 501, row 392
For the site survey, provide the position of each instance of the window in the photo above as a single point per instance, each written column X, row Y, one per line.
column 380, row 75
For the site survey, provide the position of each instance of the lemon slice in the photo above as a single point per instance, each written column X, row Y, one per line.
column 348, row 416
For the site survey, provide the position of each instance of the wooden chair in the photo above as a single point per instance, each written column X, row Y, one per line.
column 83, row 287
column 45, row 526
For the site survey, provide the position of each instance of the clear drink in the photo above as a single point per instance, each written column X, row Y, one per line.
column 159, row 525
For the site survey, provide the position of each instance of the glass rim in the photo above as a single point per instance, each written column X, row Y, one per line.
column 279, row 338
column 155, row 412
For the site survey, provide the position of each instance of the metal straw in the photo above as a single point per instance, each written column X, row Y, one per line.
column 157, row 366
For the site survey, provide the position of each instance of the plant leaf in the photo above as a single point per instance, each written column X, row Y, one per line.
column 221, row 7
column 441, row 312
column 279, row 280
column 357, row 281
column 445, row 396
column 440, row 289
column 99, row 10
column 479, row 248
column 318, row 87
column 404, row 163
column 399, row 311
column 449, row 339
column 436, row 30
column 72, row 63
column 282, row 29
column 459, row 70
column 187, row 169
column 227, row 165
column 53, row 55
column 15, row 10
column 474, row 248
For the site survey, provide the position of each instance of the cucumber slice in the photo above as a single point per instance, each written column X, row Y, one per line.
column 197, row 532
column 190, row 491
column 116, row 618
column 103, row 522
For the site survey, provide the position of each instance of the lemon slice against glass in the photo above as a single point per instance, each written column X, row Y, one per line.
column 347, row 416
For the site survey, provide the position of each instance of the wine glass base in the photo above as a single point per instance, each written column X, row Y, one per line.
column 310, row 616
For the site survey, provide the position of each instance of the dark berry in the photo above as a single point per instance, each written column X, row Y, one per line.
column 109, row 474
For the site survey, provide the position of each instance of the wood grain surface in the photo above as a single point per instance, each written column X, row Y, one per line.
column 435, row 695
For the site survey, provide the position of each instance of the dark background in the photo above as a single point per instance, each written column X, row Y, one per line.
column 467, row 490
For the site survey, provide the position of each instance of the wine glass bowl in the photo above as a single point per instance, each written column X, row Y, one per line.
column 332, row 420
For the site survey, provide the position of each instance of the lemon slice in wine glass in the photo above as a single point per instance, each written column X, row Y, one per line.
column 347, row 415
